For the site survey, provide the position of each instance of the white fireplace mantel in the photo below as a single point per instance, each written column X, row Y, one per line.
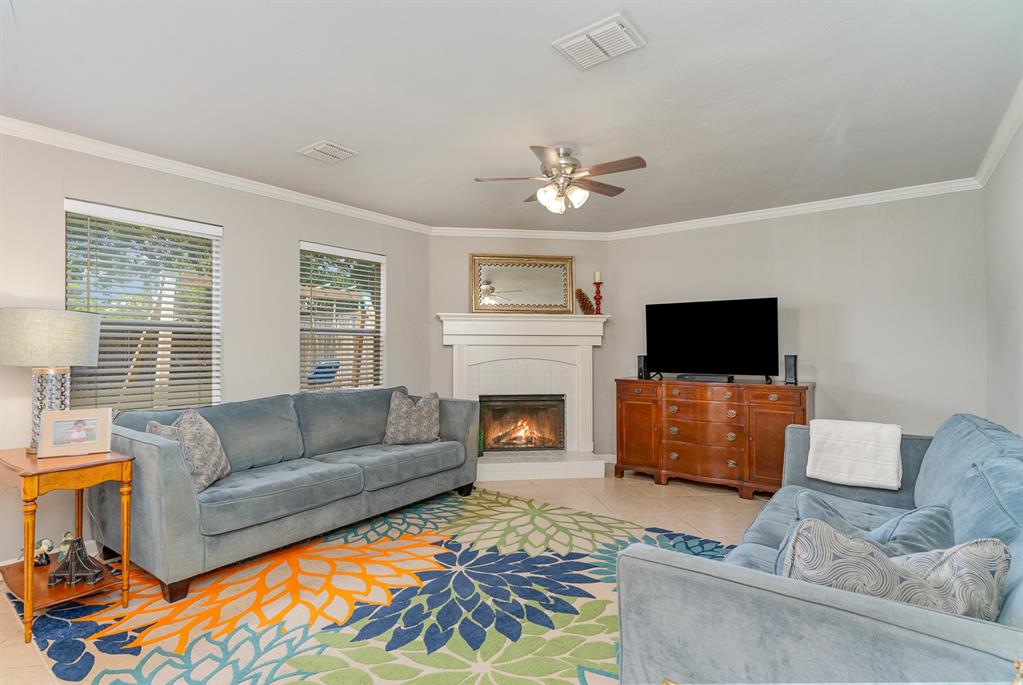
column 528, row 354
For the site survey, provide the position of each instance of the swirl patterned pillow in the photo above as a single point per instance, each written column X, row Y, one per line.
column 200, row 445
column 967, row 579
column 411, row 423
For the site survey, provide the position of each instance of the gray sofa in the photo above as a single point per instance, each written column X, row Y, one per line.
column 694, row 620
column 301, row 465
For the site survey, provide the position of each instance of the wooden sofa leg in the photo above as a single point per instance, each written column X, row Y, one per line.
column 466, row 490
column 175, row 591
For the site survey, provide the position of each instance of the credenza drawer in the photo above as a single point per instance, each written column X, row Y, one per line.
column 720, row 412
column 704, row 461
column 690, row 391
column 639, row 389
column 704, row 433
column 788, row 397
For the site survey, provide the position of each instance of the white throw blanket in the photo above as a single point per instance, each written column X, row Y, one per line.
column 855, row 453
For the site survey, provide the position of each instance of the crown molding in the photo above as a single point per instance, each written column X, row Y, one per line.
column 90, row 146
column 879, row 197
column 71, row 141
column 527, row 233
column 1007, row 128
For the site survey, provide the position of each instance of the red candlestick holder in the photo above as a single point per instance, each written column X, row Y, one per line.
column 596, row 296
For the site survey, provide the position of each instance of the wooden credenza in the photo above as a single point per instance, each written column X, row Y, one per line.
column 726, row 433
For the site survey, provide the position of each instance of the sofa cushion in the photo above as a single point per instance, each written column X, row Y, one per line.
column 772, row 525
column 754, row 556
column 341, row 419
column 200, row 446
column 989, row 503
column 961, row 441
column 253, row 432
column 386, row 465
column 257, row 495
column 413, row 422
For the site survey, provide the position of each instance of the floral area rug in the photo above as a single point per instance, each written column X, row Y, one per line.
column 483, row 590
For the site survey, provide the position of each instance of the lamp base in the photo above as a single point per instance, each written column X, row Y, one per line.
column 51, row 389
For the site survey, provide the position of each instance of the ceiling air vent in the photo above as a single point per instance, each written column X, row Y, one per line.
column 599, row 42
column 327, row 152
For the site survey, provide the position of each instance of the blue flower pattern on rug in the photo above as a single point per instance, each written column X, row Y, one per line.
column 477, row 590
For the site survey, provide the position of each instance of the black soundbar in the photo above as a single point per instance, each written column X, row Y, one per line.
column 705, row 378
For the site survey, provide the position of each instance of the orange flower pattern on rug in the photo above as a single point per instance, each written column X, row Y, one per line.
column 313, row 584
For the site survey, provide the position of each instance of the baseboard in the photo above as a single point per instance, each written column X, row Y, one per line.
column 91, row 546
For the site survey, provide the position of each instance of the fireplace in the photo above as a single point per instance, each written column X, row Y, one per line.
column 522, row 422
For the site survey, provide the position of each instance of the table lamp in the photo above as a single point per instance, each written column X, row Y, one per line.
column 50, row 341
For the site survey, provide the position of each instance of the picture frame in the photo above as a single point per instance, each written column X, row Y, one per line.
column 539, row 284
column 74, row 432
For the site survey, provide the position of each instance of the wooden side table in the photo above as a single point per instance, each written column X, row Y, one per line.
column 39, row 476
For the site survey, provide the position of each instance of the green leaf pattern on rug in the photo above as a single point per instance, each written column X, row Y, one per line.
column 419, row 518
column 514, row 524
column 586, row 641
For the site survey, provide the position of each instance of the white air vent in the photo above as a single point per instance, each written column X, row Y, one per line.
column 599, row 42
column 327, row 152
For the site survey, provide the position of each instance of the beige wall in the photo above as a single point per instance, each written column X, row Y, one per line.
column 1003, row 221
column 260, row 277
column 885, row 305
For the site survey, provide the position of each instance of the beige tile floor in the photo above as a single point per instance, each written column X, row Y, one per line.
column 706, row 510
column 709, row 511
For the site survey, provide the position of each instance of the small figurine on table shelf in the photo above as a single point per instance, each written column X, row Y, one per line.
column 41, row 554
column 75, row 565
column 65, row 545
column 585, row 305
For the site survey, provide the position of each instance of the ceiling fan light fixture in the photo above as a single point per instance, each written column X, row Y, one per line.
column 577, row 196
column 558, row 204
column 547, row 194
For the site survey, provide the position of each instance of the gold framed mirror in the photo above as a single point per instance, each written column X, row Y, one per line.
column 521, row 283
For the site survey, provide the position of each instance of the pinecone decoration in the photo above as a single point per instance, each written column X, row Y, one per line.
column 585, row 304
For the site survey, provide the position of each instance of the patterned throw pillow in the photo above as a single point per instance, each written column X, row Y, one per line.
column 967, row 579
column 916, row 530
column 409, row 422
column 200, row 445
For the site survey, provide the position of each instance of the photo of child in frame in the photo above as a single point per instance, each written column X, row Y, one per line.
column 76, row 432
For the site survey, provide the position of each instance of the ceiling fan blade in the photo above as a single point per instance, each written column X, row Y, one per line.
column 619, row 165
column 548, row 156
column 598, row 187
column 511, row 178
column 531, row 198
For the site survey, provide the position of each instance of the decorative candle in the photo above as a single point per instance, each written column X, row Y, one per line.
column 596, row 277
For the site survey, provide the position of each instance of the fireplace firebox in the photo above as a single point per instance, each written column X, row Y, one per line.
column 522, row 422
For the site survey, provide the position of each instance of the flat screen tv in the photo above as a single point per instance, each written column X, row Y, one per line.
column 735, row 337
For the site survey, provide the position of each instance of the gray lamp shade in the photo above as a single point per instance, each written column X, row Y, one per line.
column 48, row 337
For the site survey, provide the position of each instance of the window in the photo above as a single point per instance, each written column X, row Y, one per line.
column 156, row 283
column 341, row 318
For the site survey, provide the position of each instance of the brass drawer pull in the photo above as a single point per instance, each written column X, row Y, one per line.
column 730, row 437
column 637, row 390
column 673, row 409
column 730, row 413
column 673, row 430
column 675, row 392
column 728, row 394
column 731, row 463
column 673, row 455
column 773, row 397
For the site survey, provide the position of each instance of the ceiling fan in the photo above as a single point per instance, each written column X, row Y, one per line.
column 566, row 181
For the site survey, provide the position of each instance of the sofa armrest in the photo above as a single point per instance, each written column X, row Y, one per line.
column 797, row 448
column 460, row 421
column 165, row 537
column 695, row 620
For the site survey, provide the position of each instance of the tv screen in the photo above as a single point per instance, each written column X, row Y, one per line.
column 735, row 337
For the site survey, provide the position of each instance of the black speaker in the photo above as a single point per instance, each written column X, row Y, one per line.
column 790, row 369
column 641, row 370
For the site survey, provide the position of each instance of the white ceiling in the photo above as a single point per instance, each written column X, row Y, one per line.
column 735, row 105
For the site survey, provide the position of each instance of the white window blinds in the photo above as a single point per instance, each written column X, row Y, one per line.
column 156, row 283
column 341, row 318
